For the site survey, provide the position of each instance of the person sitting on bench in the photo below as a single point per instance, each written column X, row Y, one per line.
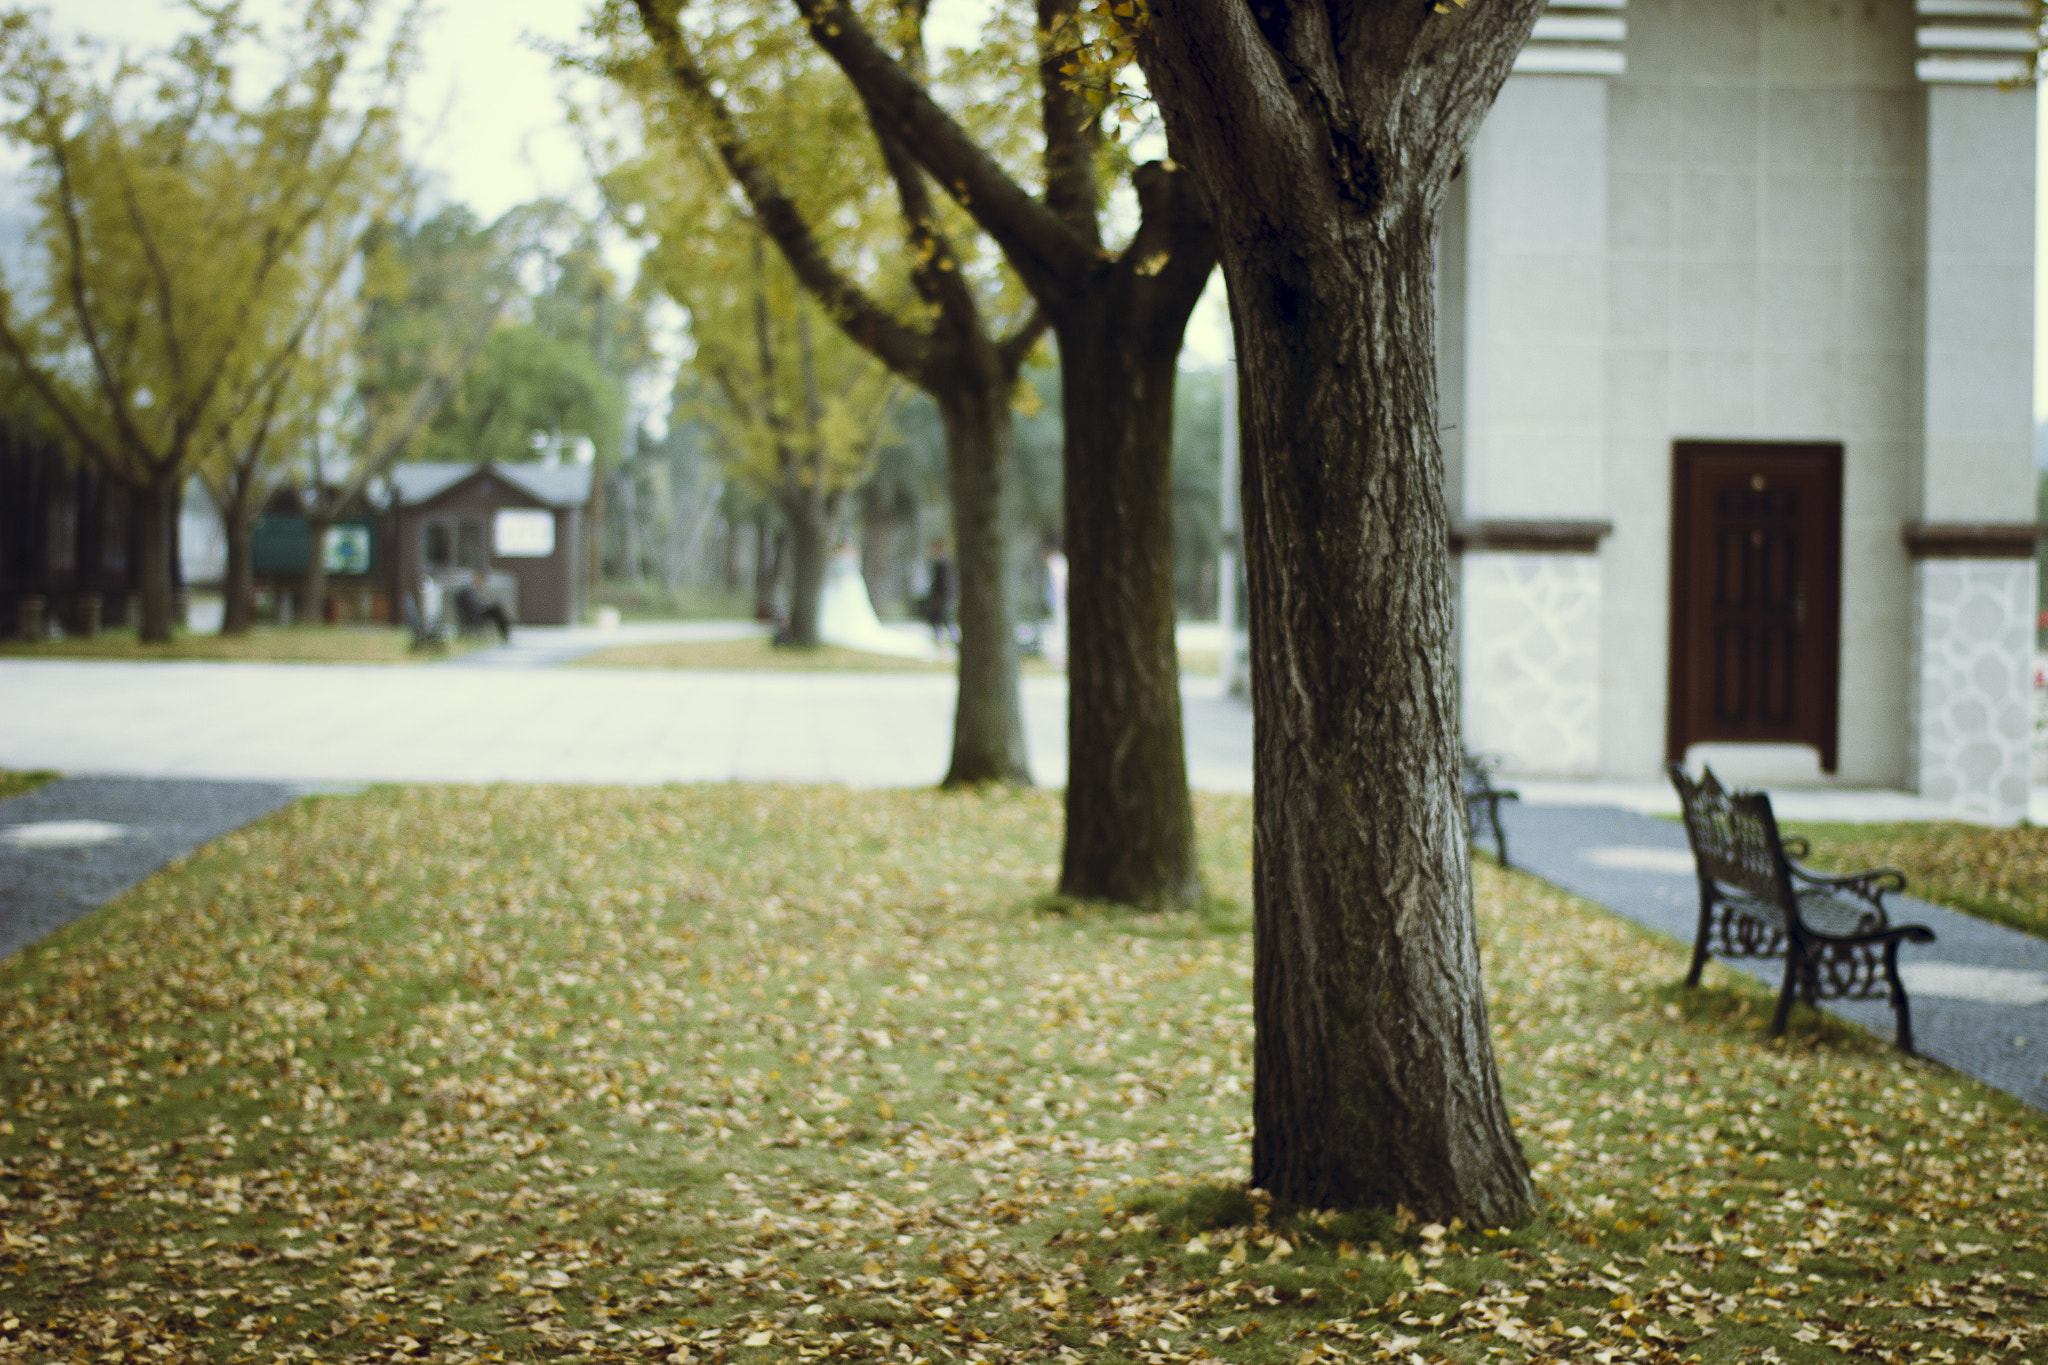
column 475, row 609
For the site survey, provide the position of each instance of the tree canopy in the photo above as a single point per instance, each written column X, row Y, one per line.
column 183, row 237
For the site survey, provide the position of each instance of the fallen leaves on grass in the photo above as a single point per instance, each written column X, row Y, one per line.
column 345, row 644
column 1998, row 874
column 775, row 1073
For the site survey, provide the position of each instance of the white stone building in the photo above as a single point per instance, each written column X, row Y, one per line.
column 1737, row 379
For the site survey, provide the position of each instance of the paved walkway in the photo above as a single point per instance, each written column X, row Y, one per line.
column 1979, row 992
column 73, row 845
column 297, row 722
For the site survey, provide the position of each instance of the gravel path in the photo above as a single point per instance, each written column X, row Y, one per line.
column 1979, row 992
column 75, row 844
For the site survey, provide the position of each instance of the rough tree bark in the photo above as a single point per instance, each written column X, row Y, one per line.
column 1119, row 318
column 1325, row 138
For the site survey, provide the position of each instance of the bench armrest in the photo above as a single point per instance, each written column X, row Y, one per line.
column 1872, row 883
column 1896, row 933
column 1795, row 846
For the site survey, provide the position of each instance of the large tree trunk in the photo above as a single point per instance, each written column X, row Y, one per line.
column 155, row 500
column 238, row 580
column 1130, row 827
column 1375, row 1082
column 988, row 719
column 809, row 557
column 313, row 591
column 1324, row 140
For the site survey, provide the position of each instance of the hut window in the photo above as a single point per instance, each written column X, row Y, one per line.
column 524, row 533
column 439, row 550
column 452, row 544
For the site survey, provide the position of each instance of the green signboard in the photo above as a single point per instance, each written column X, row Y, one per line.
column 280, row 546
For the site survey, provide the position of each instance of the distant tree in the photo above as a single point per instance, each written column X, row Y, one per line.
column 248, row 458
column 1324, row 139
column 526, row 382
column 171, row 224
column 1119, row 313
column 796, row 410
column 433, row 292
column 801, row 151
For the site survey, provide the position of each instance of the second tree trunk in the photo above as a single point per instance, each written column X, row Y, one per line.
column 1130, row 828
column 988, row 725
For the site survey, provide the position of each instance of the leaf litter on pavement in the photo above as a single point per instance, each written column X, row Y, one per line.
column 781, row 1073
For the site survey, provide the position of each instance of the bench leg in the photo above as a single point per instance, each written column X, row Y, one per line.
column 1700, row 940
column 1787, row 992
column 1902, row 1010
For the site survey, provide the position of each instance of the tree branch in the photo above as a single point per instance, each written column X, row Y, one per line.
column 46, row 390
column 875, row 329
column 278, row 243
column 1043, row 248
column 166, row 301
column 74, row 278
column 1073, row 131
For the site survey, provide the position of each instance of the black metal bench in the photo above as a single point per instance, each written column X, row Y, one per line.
column 1482, row 801
column 1755, row 901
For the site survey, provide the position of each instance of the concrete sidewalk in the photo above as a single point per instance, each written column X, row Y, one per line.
column 73, row 845
column 296, row 722
column 514, row 717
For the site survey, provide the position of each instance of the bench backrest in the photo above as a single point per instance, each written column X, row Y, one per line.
column 1477, row 771
column 1735, row 839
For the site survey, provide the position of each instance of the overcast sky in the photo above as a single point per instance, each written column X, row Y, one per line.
column 487, row 114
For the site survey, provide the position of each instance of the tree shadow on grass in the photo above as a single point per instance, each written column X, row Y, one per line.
column 1212, row 916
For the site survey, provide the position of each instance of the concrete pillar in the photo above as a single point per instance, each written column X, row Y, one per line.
column 1973, row 616
column 1532, row 439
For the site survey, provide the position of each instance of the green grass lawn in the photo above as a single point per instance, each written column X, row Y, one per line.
column 265, row 644
column 1996, row 874
column 649, row 601
column 22, row 783
column 751, row 1074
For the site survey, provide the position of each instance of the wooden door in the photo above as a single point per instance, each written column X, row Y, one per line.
column 1756, row 568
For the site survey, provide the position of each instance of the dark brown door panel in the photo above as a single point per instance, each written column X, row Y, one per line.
column 1756, row 564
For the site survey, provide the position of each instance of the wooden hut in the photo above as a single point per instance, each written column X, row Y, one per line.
column 521, row 525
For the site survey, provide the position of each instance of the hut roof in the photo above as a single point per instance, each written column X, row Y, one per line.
column 559, row 485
